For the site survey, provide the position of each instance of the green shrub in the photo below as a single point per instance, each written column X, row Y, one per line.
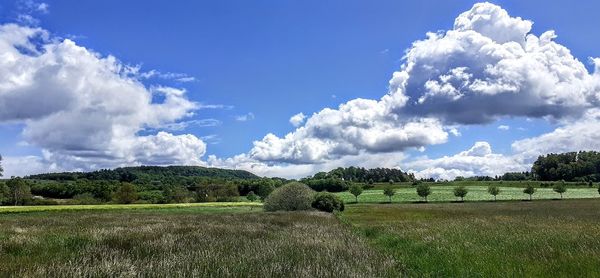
column 251, row 196
column 325, row 201
column 290, row 197
column 152, row 196
column 84, row 199
column 126, row 193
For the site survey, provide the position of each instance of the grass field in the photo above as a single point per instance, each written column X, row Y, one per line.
column 184, row 242
column 504, row 239
column 220, row 206
column 476, row 193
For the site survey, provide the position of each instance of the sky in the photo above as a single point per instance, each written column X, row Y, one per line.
column 289, row 88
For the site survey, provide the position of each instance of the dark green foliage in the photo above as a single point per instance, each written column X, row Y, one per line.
column 423, row 190
column 529, row 190
column 152, row 196
column 4, row 194
column 130, row 174
column 572, row 166
column 560, row 188
column 389, row 191
column 290, row 197
column 126, row 194
column 216, row 193
column 251, row 196
column 327, row 184
column 516, row 176
column 177, row 194
column 460, row 192
column 493, row 190
column 328, row 202
column 356, row 190
column 19, row 191
column 362, row 175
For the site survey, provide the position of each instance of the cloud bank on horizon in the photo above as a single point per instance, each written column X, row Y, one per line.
column 86, row 111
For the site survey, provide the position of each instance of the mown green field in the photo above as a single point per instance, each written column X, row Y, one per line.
column 205, row 206
column 184, row 242
column 443, row 193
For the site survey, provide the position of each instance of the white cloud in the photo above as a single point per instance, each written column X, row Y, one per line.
column 581, row 135
column 503, row 127
column 297, row 119
column 84, row 110
column 479, row 160
column 490, row 65
column 245, row 117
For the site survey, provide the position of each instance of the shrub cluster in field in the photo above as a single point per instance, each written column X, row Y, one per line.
column 298, row 196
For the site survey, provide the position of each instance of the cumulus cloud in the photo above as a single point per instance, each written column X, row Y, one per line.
column 297, row 119
column 479, row 160
column 503, row 127
column 487, row 66
column 490, row 65
column 85, row 110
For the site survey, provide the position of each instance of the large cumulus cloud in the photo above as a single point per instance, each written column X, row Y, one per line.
column 488, row 66
column 84, row 110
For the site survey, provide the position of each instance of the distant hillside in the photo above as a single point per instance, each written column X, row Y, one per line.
column 148, row 173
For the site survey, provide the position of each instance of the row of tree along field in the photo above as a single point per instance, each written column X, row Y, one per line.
column 177, row 184
column 424, row 190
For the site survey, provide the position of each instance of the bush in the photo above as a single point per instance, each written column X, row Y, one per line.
column 251, row 196
column 126, row 194
column 290, row 197
column 152, row 196
column 325, row 201
column 84, row 199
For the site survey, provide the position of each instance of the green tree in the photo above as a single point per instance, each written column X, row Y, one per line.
column 264, row 190
column 176, row 194
column 20, row 192
column 560, row 188
column 391, row 181
column 356, row 190
column 529, row 190
column 389, row 191
column 493, row 190
column 4, row 194
column 423, row 190
column 251, row 196
column 461, row 192
column 126, row 193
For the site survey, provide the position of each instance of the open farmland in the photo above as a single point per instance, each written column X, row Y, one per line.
column 444, row 193
column 183, row 242
column 504, row 239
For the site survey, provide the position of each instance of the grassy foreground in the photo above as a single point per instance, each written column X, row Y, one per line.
column 184, row 242
column 476, row 193
column 504, row 239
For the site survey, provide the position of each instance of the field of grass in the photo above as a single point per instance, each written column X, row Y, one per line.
column 484, row 239
column 219, row 206
column 443, row 193
column 184, row 242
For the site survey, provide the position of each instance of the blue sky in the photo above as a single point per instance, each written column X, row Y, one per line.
column 264, row 61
